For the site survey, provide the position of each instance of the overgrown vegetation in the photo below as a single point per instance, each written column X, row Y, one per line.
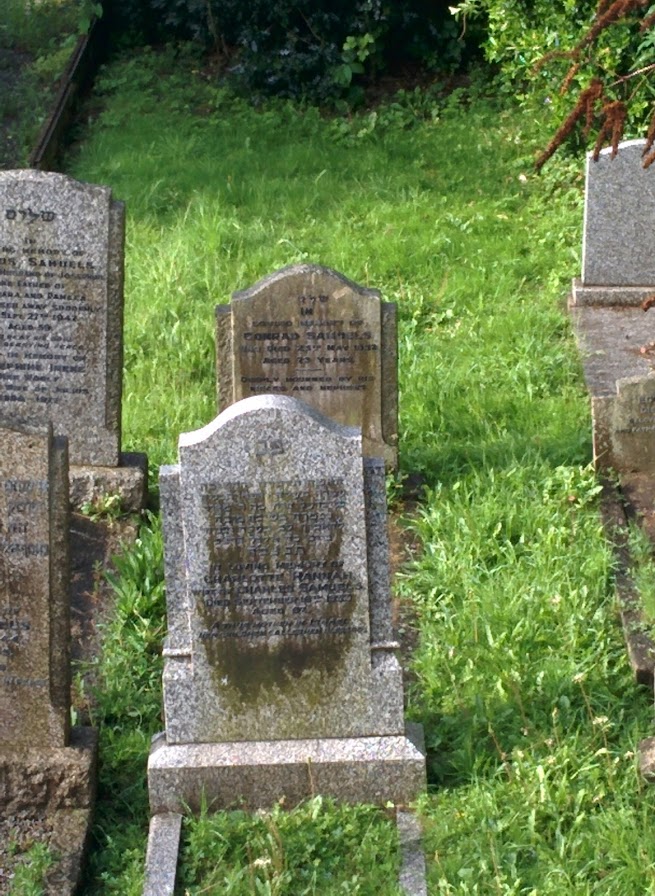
column 323, row 52
column 592, row 62
column 29, row 875
column 320, row 848
column 531, row 715
column 37, row 38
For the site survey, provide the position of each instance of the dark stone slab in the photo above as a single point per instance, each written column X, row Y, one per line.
column 310, row 333
column 47, row 769
column 34, row 591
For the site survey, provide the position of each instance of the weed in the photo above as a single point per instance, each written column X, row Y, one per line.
column 103, row 507
column 30, row 873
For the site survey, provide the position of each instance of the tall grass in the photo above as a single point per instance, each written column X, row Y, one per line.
column 531, row 716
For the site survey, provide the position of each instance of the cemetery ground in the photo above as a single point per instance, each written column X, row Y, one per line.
column 518, row 670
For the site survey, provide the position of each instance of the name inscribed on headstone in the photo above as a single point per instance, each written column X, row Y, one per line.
column 275, row 569
column 61, row 246
column 310, row 333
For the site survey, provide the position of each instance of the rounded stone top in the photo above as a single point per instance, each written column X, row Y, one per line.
column 257, row 404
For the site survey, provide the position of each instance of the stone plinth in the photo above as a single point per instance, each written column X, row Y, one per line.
column 256, row 775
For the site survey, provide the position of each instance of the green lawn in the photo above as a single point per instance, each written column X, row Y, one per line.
column 521, row 680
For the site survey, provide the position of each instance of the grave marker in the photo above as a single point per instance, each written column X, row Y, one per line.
column 61, row 309
column 310, row 333
column 280, row 670
column 632, row 441
column 34, row 624
column 47, row 769
column 618, row 252
column 615, row 336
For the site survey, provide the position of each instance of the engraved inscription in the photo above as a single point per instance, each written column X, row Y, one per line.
column 319, row 352
column 46, row 315
column 639, row 416
column 24, row 518
column 274, row 598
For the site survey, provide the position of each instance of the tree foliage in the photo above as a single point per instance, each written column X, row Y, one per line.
column 322, row 50
column 592, row 62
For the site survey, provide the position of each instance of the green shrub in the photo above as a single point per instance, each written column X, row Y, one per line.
column 548, row 51
column 307, row 49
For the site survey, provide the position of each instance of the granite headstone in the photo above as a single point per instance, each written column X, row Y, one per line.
column 308, row 332
column 47, row 768
column 618, row 252
column 614, row 327
column 61, row 309
column 280, row 672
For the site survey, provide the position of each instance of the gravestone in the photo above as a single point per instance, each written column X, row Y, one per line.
column 47, row 769
column 61, row 319
column 280, row 675
column 615, row 334
column 632, row 444
column 310, row 333
column 618, row 252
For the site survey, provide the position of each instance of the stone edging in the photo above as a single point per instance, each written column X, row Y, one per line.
column 82, row 66
column 641, row 649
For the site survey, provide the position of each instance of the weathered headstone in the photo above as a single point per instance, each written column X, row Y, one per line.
column 280, row 674
column 46, row 768
column 618, row 253
column 61, row 313
column 632, row 443
column 310, row 333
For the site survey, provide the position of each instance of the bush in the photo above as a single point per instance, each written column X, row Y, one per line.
column 304, row 49
column 551, row 51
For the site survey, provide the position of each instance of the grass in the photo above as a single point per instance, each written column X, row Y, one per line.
column 320, row 848
column 521, row 680
column 37, row 38
column 642, row 572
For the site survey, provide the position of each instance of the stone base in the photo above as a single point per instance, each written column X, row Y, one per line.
column 257, row 775
column 617, row 345
column 89, row 485
column 609, row 295
column 647, row 759
column 52, row 790
column 161, row 858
